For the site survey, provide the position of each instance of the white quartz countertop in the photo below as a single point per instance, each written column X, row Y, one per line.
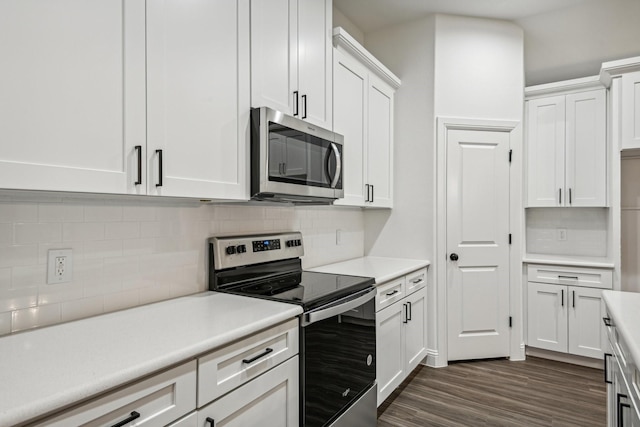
column 624, row 308
column 568, row 261
column 381, row 268
column 49, row 368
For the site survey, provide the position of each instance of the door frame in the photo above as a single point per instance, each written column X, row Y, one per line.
column 438, row 356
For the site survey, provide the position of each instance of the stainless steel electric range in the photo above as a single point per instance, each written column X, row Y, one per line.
column 337, row 328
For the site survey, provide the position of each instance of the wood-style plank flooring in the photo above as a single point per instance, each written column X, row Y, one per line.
column 535, row 392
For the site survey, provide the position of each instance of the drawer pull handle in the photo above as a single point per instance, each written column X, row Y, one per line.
column 211, row 421
column 134, row 415
column 568, row 277
column 607, row 321
column 253, row 359
column 606, row 368
column 392, row 293
column 416, row 281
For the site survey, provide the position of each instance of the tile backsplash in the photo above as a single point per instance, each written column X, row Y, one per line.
column 586, row 231
column 128, row 252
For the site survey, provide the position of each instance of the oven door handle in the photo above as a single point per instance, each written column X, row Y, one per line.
column 340, row 307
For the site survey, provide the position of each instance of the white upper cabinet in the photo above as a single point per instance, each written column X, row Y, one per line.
column 139, row 97
column 198, row 98
column 363, row 109
column 631, row 110
column 72, row 104
column 291, row 58
column 566, row 145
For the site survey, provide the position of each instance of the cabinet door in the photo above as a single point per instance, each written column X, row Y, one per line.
column 198, row 97
column 274, row 55
column 380, row 143
column 72, row 104
column 390, row 349
column 547, row 316
column 587, row 333
column 350, row 93
column 586, row 149
column 271, row 399
column 415, row 329
column 315, row 51
column 631, row 110
column 545, row 118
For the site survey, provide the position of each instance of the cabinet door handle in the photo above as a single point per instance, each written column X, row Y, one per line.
column 409, row 310
column 367, row 188
column 606, row 368
column 304, row 106
column 211, row 421
column 253, row 359
column 562, row 297
column 392, row 293
column 607, row 321
column 621, row 406
column 295, row 103
column 406, row 313
column 559, row 196
column 569, row 196
column 574, row 299
column 159, row 153
column 134, row 415
column 138, row 149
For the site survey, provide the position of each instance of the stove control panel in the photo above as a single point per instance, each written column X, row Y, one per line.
column 234, row 251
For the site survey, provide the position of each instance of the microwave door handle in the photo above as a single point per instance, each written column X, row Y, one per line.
column 336, row 177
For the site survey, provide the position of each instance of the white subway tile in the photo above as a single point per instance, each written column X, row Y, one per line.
column 102, row 249
column 6, row 234
column 60, row 292
column 166, row 244
column 102, row 287
column 16, row 299
column 122, row 230
column 25, row 277
column 60, row 212
column 139, row 213
column 72, row 232
column 18, row 255
column 27, row 233
column 18, row 212
column 43, row 315
column 5, row 322
column 5, row 278
column 155, row 293
column 102, row 213
column 85, row 307
column 121, row 300
column 138, row 246
column 87, row 270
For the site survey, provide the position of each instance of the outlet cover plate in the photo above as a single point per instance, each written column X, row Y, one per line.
column 53, row 276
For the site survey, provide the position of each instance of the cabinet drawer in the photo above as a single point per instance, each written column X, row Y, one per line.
column 416, row 280
column 159, row 400
column 390, row 292
column 573, row 276
column 223, row 370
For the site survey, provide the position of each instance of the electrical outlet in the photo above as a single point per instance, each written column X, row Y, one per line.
column 561, row 234
column 59, row 266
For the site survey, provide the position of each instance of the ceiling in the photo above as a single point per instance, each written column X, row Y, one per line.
column 371, row 15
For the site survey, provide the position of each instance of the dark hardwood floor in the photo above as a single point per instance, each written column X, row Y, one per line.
column 535, row 392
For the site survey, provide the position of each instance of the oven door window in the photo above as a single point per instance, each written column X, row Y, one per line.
column 339, row 363
column 298, row 158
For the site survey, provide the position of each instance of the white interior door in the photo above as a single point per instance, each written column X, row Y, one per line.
column 478, row 236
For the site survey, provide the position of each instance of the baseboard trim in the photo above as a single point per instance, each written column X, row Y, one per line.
column 564, row 357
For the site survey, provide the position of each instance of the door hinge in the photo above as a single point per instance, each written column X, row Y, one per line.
column 509, row 238
column 510, row 321
column 510, row 155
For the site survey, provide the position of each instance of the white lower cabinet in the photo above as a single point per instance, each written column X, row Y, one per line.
column 565, row 318
column 155, row 401
column 400, row 330
column 271, row 399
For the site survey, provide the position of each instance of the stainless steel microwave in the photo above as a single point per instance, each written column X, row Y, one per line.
column 294, row 161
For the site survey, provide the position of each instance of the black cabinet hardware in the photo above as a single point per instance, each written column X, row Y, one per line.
column 569, row 196
column 134, row 415
column 263, row 354
column 406, row 314
column 392, row 293
column 607, row 321
column 372, row 193
column 211, row 421
column 510, row 154
column 567, row 277
column 304, row 106
column 621, row 406
column 562, row 297
column 159, row 153
column 139, row 151
column 559, row 196
column 295, row 103
column 367, row 188
column 606, row 368
column 574, row 298
column 453, row 257
column 510, row 321
column 409, row 310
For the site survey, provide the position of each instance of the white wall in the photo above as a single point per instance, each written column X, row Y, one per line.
column 129, row 252
column 573, row 42
column 341, row 20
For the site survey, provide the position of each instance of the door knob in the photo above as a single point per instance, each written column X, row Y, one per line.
column 453, row 257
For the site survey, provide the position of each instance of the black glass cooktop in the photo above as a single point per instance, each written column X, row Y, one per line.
column 306, row 288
